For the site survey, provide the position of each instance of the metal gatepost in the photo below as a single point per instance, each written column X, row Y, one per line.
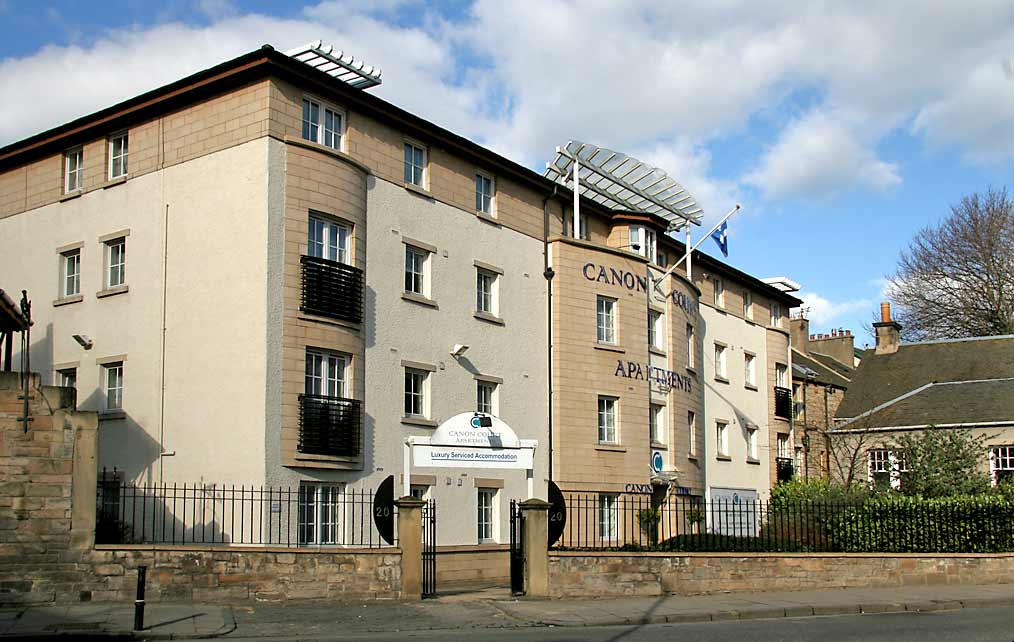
column 517, row 549
column 429, row 549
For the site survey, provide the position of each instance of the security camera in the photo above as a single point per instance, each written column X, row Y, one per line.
column 84, row 341
column 458, row 350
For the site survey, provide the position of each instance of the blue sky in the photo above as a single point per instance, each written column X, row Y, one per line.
column 841, row 128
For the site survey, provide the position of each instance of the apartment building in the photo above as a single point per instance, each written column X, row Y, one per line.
column 262, row 274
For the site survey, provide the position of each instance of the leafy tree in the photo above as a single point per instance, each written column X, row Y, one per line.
column 942, row 463
column 957, row 279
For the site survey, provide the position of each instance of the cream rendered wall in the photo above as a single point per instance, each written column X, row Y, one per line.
column 398, row 330
column 215, row 367
column 734, row 402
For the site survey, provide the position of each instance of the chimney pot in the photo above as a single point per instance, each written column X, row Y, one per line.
column 834, row 332
column 812, row 336
column 885, row 312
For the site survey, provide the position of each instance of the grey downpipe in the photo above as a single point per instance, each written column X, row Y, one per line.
column 548, row 273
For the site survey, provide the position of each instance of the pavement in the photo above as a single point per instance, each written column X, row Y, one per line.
column 475, row 610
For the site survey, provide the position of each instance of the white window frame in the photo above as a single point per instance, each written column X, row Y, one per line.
column 487, row 395
column 320, row 515
column 656, row 330
column 73, row 170
column 797, row 404
column 118, row 157
column 608, row 419
column 692, row 430
column 721, row 361
column 1001, row 460
column 750, row 369
column 748, row 305
column 722, row 438
column 781, row 375
column 420, row 491
column 646, row 241
column 112, row 385
column 417, row 273
column 328, row 239
column 783, row 450
column 415, row 169
column 691, row 345
column 719, row 292
column 775, row 310
column 67, row 378
column 316, row 130
column 751, row 442
column 605, row 316
column 70, row 273
column 115, row 272
column 486, row 291
column 659, row 425
column 880, row 461
column 487, row 515
column 485, row 193
column 609, row 517
column 417, row 384
column 326, row 373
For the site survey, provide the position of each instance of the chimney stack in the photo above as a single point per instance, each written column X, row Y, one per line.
column 799, row 332
column 888, row 331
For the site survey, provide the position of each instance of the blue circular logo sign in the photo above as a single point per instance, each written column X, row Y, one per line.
column 476, row 422
column 656, row 462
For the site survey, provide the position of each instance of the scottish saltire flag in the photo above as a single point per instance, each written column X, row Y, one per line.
column 721, row 236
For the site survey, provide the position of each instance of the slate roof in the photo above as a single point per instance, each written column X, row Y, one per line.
column 884, row 377
column 806, row 364
column 946, row 404
column 843, row 369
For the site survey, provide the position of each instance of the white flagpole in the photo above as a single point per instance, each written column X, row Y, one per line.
column 577, row 198
column 690, row 269
column 686, row 257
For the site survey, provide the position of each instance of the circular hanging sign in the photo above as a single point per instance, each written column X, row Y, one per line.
column 467, row 430
column 557, row 513
column 383, row 509
column 657, row 463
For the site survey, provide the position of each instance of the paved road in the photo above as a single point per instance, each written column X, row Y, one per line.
column 965, row 625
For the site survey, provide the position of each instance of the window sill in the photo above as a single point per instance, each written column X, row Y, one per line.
column 77, row 298
column 420, row 299
column 723, row 458
column 658, row 445
column 310, row 457
column 419, row 421
column 720, row 309
column 69, row 196
column 487, row 218
column 751, row 460
column 110, row 415
column 612, row 448
column 721, row 379
column 421, row 191
column 487, row 317
column 113, row 182
column 609, row 347
column 119, row 289
column 692, row 370
column 659, row 351
column 750, row 386
column 692, row 456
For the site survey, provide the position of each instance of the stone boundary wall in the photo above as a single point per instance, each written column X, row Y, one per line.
column 607, row 574
column 473, row 566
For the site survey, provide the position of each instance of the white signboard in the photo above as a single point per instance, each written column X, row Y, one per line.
column 459, row 457
column 734, row 511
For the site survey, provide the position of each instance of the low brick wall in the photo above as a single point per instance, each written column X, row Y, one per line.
column 473, row 566
column 587, row 574
column 218, row 575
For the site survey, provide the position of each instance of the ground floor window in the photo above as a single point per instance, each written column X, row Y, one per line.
column 608, row 517
column 420, row 491
column 1002, row 464
column 319, row 513
column 486, row 517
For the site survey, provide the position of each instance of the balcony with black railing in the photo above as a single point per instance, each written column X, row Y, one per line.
column 784, row 469
column 330, row 426
column 331, row 289
column 783, row 402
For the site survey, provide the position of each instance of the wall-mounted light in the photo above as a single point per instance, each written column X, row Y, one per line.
column 84, row 341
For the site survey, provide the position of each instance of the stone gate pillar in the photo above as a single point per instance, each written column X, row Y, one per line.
column 410, row 542
column 536, row 516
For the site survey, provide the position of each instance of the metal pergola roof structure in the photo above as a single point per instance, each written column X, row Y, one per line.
column 621, row 182
column 337, row 64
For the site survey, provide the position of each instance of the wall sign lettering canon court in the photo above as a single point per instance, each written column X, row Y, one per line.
column 634, row 370
column 601, row 274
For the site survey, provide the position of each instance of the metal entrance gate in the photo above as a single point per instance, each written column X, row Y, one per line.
column 517, row 549
column 429, row 549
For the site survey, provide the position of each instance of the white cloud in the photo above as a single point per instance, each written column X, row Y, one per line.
column 819, row 155
column 823, row 312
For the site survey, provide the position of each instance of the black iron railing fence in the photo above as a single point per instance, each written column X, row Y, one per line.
column 601, row 521
column 310, row 515
column 783, row 402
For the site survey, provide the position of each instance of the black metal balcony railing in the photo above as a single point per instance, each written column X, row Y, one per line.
column 783, row 402
column 784, row 466
column 330, row 426
column 332, row 289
